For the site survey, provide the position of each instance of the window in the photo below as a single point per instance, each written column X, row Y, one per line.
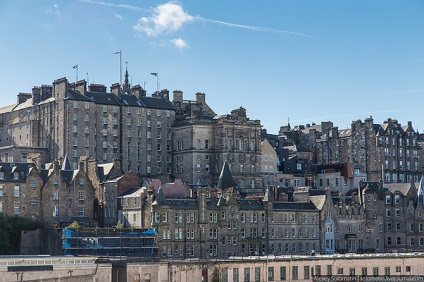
column 235, row 275
column 81, row 211
column 270, row 273
column 16, row 208
column 388, row 199
column 16, row 192
column 81, row 195
column 1, row 191
column 257, row 274
column 306, row 272
column 295, row 273
column 283, row 274
column 387, row 271
column 55, row 211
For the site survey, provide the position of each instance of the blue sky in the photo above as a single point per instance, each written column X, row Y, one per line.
column 307, row 61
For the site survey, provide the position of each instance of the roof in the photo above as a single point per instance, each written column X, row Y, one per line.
column 297, row 148
column 104, row 98
column 129, row 191
column 345, row 133
column 403, row 188
column 186, row 204
column 133, row 192
column 75, row 95
column 131, row 100
column 157, row 103
column 295, row 206
column 226, row 179
column 103, row 170
column 7, row 108
column 250, row 204
column 22, row 168
column 318, row 201
column 160, row 198
column 66, row 165
column 23, row 105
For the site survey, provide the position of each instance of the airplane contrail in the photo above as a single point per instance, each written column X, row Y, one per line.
column 256, row 28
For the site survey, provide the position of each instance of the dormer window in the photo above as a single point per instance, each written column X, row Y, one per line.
column 1, row 175
column 16, row 175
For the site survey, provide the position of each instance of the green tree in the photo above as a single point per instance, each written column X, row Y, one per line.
column 74, row 225
column 119, row 225
column 10, row 232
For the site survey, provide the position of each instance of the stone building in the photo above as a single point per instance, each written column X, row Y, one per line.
column 204, row 140
column 268, row 164
column 67, row 195
column 20, row 189
column 75, row 120
column 231, row 225
column 387, row 150
column 378, row 218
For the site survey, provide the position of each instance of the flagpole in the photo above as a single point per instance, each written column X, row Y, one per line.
column 157, row 80
column 76, row 67
column 120, row 66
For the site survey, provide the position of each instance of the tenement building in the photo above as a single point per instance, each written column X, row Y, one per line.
column 389, row 150
column 55, row 194
column 71, row 118
column 204, row 140
column 231, row 225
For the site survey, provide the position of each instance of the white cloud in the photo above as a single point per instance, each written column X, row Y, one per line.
column 166, row 17
column 179, row 43
column 118, row 16
column 53, row 10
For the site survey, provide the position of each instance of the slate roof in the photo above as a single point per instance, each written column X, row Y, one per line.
column 186, row 204
column 157, row 103
column 26, row 104
column 8, row 108
column 403, row 188
column 9, row 168
column 104, row 98
column 129, row 191
column 66, row 165
column 103, row 171
column 131, row 100
column 297, row 148
column 345, row 133
column 135, row 192
column 75, row 95
column 370, row 187
column 250, row 204
column 318, row 201
column 294, row 206
column 226, row 179
column 160, row 198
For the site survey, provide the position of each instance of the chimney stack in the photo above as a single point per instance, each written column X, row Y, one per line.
column 200, row 97
column 36, row 95
column 116, row 89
